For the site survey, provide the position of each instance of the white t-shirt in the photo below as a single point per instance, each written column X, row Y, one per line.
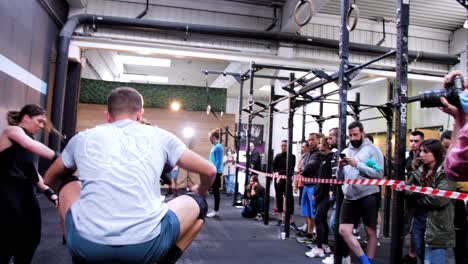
column 119, row 165
column 229, row 167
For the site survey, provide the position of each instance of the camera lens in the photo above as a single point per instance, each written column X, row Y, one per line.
column 431, row 98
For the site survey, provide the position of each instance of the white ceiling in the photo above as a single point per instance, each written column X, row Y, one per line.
column 182, row 71
column 440, row 14
column 187, row 71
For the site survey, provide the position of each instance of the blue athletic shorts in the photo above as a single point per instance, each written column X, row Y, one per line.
column 85, row 251
column 174, row 174
column 308, row 208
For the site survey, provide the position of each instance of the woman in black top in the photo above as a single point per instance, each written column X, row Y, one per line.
column 20, row 221
column 322, row 201
column 254, row 198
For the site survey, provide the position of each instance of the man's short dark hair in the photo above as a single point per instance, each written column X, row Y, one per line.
column 417, row 133
column 124, row 100
column 284, row 141
column 317, row 135
column 447, row 134
column 356, row 124
column 335, row 129
column 215, row 133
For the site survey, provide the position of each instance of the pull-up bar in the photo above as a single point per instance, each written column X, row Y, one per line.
column 245, row 77
column 334, row 77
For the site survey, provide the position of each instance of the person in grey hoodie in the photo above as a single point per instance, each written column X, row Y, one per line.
column 363, row 161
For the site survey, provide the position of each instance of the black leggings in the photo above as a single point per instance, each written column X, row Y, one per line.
column 20, row 223
column 301, row 190
column 321, row 221
column 215, row 187
column 280, row 190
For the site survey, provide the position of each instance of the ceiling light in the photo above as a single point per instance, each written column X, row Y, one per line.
column 145, row 61
column 411, row 76
column 265, row 88
column 125, row 77
column 188, row 132
column 175, row 106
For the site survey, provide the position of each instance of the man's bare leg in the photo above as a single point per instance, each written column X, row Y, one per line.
column 67, row 196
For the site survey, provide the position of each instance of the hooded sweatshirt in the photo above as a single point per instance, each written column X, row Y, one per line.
column 370, row 164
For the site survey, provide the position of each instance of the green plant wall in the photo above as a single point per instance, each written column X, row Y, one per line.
column 192, row 98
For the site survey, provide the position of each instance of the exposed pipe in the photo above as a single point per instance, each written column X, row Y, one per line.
column 383, row 31
column 75, row 21
column 142, row 14
column 195, row 9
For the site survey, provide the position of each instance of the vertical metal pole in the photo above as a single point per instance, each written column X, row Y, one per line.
column 71, row 101
column 221, row 134
column 226, row 136
column 356, row 107
column 342, row 112
column 320, row 124
column 388, row 154
column 289, row 170
column 304, row 114
column 249, row 124
column 269, row 152
column 238, row 142
column 402, row 21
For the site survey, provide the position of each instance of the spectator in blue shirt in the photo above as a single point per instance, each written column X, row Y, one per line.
column 216, row 157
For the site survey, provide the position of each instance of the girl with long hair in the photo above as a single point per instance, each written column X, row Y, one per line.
column 432, row 215
column 20, row 221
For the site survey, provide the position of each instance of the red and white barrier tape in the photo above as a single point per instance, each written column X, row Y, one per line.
column 396, row 184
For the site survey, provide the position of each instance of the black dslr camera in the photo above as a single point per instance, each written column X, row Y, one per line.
column 431, row 98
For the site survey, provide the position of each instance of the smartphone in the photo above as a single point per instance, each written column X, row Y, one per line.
column 342, row 155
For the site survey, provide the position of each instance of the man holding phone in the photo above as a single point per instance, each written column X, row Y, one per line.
column 361, row 160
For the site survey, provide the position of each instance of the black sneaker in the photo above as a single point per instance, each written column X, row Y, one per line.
column 279, row 223
column 407, row 259
column 301, row 233
column 294, row 226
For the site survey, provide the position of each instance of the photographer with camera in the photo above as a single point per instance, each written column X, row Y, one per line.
column 456, row 162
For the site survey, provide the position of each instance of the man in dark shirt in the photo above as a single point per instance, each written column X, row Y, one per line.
column 255, row 159
column 416, row 138
column 279, row 166
column 310, row 168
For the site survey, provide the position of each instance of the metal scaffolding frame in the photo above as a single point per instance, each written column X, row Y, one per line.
column 397, row 102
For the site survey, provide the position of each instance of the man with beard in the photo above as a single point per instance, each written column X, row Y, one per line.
column 363, row 161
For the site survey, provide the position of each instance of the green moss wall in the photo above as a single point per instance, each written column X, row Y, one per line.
column 192, row 98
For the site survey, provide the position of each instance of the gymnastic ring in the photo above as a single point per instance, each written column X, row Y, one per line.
column 355, row 8
column 296, row 11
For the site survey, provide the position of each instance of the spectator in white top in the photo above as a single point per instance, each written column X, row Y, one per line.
column 229, row 170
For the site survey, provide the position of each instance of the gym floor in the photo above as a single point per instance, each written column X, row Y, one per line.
column 229, row 238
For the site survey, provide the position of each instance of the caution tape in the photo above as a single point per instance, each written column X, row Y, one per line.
column 395, row 184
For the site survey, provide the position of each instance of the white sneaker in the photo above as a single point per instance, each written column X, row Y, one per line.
column 212, row 214
column 303, row 227
column 315, row 252
column 329, row 260
column 346, row 260
column 326, row 249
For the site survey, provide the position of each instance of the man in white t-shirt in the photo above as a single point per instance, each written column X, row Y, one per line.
column 115, row 212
